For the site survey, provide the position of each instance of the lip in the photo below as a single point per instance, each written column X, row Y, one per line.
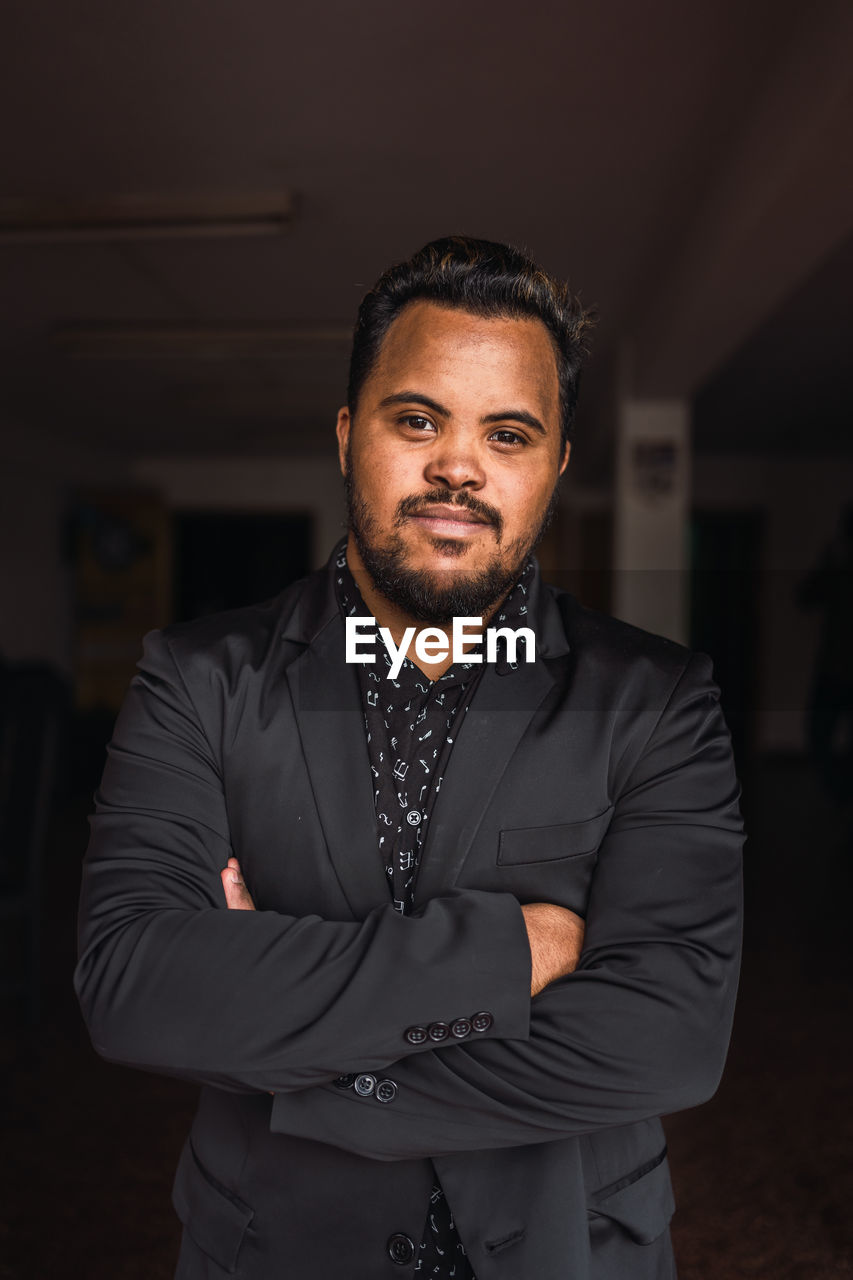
column 458, row 521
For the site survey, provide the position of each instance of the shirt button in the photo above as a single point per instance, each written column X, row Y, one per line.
column 416, row 1035
column 386, row 1091
column 481, row 1021
column 364, row 1085
column 345, row 1082
column 413, row 817
column 460, row 1028
column 401, row 1249
column 438, row 1031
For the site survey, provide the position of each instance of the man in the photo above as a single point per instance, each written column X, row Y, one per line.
column 363, row 936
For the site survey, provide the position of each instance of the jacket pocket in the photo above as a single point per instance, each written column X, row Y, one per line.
column 215, row 1218
column 549, row 844
column 641, row 1203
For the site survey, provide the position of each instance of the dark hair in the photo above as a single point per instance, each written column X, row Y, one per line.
column 487, row 279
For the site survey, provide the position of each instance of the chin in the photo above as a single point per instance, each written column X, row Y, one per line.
column 431, row 546
column 448, row 549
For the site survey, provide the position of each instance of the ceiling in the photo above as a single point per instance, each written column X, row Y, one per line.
column 596, row 135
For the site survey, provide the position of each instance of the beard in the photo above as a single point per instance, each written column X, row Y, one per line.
column 438, row 596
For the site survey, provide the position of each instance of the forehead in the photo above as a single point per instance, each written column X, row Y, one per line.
column 429, row 347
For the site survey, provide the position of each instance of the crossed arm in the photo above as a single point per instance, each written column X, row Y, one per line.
column 169, row 981
column 554, row 933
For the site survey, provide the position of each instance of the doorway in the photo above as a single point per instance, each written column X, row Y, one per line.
column 227, row 559
column 725, row 555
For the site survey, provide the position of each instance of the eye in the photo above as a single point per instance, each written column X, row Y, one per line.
column 507, row 437
column 416, row 421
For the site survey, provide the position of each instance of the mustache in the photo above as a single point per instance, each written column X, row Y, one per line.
column 417, row 503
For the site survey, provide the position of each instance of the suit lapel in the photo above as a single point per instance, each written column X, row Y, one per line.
column 494, row 724
column 324, row 690
column 325, row 694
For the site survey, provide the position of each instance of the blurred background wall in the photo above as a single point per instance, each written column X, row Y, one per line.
column 193, row 202
column 193, row 198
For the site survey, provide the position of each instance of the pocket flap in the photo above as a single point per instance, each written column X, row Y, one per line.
column 546, row 844
column 214, row 1217
column 643, row 1206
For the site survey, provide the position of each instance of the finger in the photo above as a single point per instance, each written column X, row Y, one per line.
column 237, row 896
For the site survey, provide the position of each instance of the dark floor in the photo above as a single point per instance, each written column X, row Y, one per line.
column 762, row 1173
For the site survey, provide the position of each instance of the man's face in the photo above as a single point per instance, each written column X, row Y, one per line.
column 453, row 459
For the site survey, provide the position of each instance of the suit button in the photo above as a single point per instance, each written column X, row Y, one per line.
column 364, row 1085
column 401, row 1249
column 386, row 1091
column 416, row 1035
column 345, row 1082
column 460, row 1028
column 481, row 1021
column 438, row 1031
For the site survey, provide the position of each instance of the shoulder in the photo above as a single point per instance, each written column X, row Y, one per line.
column 616, row 655
column 234, row 642
column 593, row 633
column 656, row 699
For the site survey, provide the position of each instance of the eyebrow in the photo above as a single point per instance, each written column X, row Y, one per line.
column 516, row 415
column 415, row 397
column 508, row 415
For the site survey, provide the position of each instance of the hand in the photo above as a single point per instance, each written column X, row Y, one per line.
column 237, row 896
column 556, row 936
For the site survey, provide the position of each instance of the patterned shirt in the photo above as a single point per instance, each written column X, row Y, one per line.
column 411, row 724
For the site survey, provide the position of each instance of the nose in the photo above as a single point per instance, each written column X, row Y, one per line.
column 453, row 464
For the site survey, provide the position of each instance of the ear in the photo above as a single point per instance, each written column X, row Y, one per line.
column 566, row 451
column 342, row 431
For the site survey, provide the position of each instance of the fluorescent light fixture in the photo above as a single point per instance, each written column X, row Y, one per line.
column 196, row 342
column 139, row 217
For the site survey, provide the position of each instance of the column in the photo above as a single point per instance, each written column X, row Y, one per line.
column 651, row 547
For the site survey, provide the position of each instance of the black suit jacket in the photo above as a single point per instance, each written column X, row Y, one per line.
column 600, row 777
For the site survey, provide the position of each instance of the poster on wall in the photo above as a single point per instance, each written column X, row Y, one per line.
column 654, row 468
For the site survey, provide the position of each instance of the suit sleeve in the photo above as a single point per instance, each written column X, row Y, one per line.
column 642, row 1027
column 170, row 980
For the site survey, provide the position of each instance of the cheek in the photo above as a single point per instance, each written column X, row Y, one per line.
column 383, row 479
column 393, row 477
column 528, row 498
